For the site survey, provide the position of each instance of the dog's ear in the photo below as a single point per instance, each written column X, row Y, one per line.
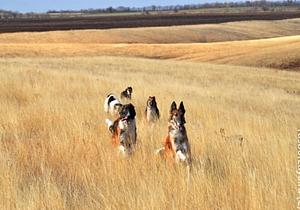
column 173, row 107
column 181, row 108
column 154, row 101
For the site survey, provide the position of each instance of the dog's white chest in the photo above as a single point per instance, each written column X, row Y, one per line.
column 123, row 125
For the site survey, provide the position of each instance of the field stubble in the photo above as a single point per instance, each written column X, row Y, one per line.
column 55, row 150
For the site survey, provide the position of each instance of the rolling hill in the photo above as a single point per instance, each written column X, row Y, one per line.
column 232, row 31
column 279, row 53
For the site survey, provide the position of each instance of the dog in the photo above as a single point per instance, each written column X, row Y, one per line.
column 123, row 129
column 152, row 111
column 112, row 105
column 126, row 94
column 176, row 144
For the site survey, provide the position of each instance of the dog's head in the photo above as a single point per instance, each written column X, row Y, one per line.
column 127, row 111
column 151, row 102
column 129, row 90
column 177, row 115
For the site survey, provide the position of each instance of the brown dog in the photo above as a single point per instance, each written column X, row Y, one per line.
column 152, row 111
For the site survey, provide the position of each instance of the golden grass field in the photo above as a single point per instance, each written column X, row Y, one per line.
column 55, row 150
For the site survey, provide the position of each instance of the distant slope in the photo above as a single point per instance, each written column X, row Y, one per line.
column 244, row 30
column 280, row 53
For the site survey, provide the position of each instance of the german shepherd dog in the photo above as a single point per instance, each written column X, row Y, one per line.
column 126, row 94
column 176, row 144
column 152, row 111
column 123, row 129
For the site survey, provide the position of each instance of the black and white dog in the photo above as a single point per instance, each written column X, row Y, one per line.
column 123, row 129
column 126, row 94
column 152, row 111
column 112, row 104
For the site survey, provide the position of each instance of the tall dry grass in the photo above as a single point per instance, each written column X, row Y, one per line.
column 55, row 151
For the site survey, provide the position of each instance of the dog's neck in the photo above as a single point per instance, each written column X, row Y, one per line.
column 151, row 108
column 175, row 128
column 125, row 122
